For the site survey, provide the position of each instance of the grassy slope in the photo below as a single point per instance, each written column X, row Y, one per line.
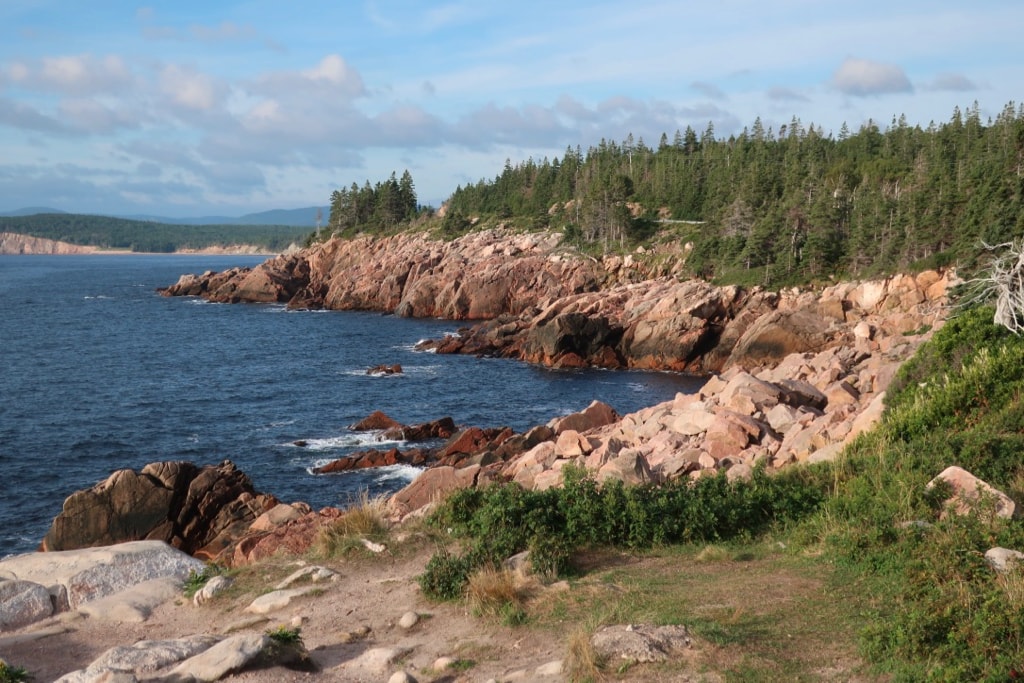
column 838, row 587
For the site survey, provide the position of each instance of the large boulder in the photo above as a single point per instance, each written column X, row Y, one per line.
column 433, row 485
column 970, row 494
column 780, row 333
column 200, row 510
column 76, row 577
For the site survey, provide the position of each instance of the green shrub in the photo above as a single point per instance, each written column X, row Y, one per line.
column 941, row 612
column 502, row 520
column 445, row 576
column 13, row 674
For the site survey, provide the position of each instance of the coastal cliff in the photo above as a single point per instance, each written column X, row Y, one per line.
column 536, row 300
column 15, row 244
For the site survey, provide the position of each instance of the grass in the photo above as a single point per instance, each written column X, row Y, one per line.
column 499, row 592
column 820, row 573
column 285, row 636
column 364, row 519
column 196, row 580
column 757, row 612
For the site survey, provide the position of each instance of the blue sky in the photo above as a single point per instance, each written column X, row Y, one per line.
column 229, row 107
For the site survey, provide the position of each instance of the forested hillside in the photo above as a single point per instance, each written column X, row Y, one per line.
column 146, row 236
column 783, row 206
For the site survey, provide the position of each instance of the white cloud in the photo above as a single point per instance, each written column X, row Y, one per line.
column 190, row 89
column 331, row 76
column 861, row 77
column 92, row 116
column 781, row 94
column 72, row 74
column 225, row 31
column 709, row 90
column 952, row 82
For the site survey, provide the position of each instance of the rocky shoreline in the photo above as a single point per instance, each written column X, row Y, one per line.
column 534, row 300
column 799, row 374
column 794, row 376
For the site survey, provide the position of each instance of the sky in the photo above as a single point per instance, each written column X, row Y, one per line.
column 193, row 108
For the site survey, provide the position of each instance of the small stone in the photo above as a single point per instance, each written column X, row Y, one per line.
column 401, row 677
column 550, row 669
column 408, row 620
column 1003, row 559
column 443, row 663
column 211, row 588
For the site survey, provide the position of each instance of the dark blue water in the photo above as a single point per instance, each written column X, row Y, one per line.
column 98, row 372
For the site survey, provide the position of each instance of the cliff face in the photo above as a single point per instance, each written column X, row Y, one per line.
column 13, row 243
column 542, row 303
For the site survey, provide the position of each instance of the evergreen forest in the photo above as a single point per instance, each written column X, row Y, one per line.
column 765, row 206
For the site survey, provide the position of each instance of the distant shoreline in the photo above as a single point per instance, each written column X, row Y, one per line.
column 16, row 244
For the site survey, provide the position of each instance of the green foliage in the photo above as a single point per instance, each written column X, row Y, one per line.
column 502, row 520
column 13, row 674
column 791, row 206
column 147, row 236
column 445, row 576
column 285, row 636
column 941, row 612
column 196, row 580
column 377, row 209
column 964, row 334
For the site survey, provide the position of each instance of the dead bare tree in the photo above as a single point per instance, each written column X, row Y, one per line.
column 1004, row 282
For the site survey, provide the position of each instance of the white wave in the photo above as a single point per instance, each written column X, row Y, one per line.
column 421, row 369
column 98, row 296
column 375, row 375
column 397, row 472
column 351, row 440
column 384, row 473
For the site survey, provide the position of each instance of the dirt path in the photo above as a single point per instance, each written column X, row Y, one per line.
column 755, row 617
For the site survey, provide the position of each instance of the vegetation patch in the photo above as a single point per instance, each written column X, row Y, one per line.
column 196, row 580
column 500, row 521
column 13, row 674
column 363, row 520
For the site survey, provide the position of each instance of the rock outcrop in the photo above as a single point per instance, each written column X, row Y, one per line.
column 543, row 303
column 199, row 510
column 35, row 586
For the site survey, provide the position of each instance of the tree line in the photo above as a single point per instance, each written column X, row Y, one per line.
column 378, row 208
column 146, row 236
column 780, row 206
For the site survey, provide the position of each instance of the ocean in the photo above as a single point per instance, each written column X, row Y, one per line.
column 98, row 372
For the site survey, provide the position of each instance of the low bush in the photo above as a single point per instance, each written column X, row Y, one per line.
column 196, row 580
column 500, row 521
column 13, row 674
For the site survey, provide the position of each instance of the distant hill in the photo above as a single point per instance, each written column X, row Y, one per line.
column 305, row 218
column 31, row 211
column 302, row 218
